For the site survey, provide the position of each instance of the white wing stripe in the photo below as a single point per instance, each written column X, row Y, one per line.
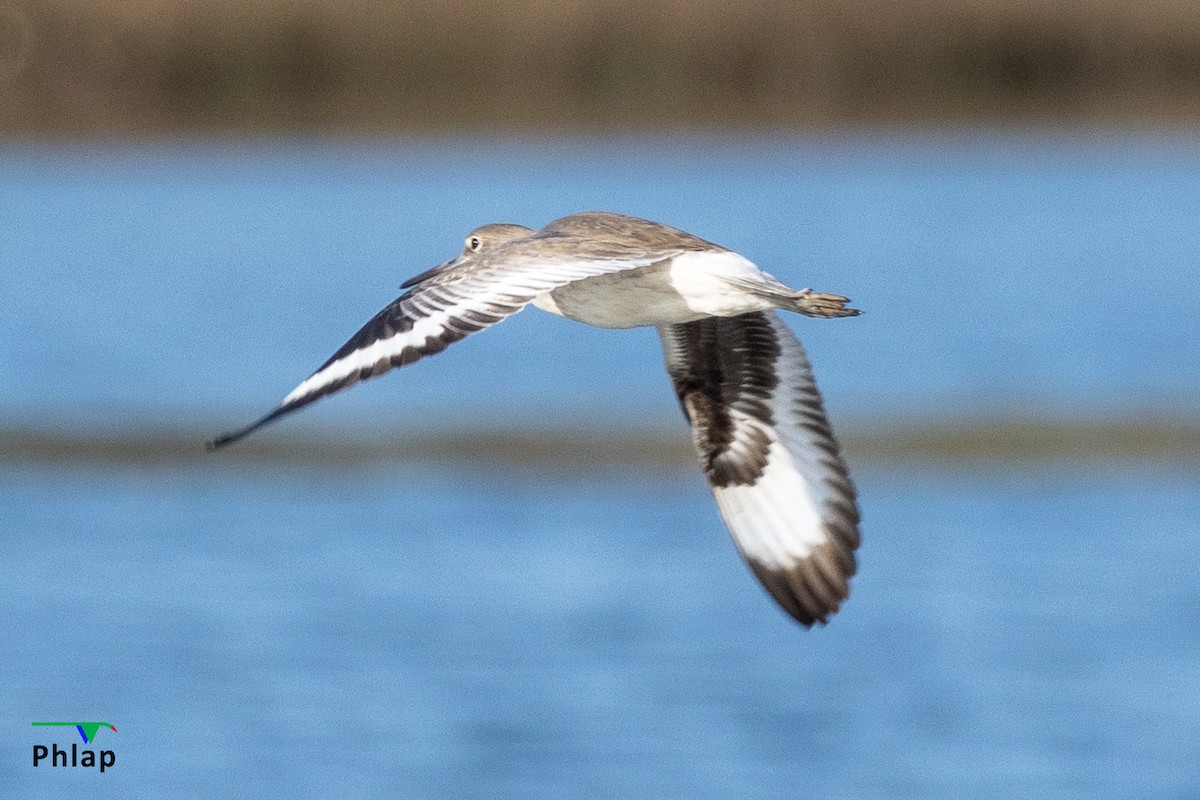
column 369, row 356
column 434, row 318
column 763, row 441
column 757, row 519
column 445, row 305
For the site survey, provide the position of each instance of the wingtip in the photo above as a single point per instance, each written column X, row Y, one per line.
column 229, row 438
column 213, row 445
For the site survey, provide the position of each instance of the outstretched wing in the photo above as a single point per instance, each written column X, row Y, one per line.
column 444, row 306
column 764, row 443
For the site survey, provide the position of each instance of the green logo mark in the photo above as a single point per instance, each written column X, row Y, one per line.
column 86, row 729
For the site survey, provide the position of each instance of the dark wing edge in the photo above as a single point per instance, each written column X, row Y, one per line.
column 446, row 305
column 420, row 323
column 764, row 443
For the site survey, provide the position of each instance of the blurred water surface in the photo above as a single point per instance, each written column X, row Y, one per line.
column 465, row 631
column 201, row 283
column 449, row 633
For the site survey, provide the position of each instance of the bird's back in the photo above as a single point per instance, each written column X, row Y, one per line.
column 625, row 231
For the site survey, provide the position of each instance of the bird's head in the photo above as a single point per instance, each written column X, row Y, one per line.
column 485, row 238
column 478, row 242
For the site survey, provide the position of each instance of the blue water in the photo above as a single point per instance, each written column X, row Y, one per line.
column 1029, row 631
column 457, row 634
column 201, row 283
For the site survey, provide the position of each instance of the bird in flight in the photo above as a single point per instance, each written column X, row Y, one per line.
column 741, row 376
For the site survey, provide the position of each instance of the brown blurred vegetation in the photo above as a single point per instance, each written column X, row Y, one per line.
column 1140, row 437
column 164, row 66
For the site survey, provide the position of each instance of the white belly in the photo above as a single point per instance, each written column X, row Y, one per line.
column 623, row 300
column 688, row 289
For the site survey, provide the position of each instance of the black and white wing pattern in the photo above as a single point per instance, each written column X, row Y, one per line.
column 764, row 443
column 443, row 306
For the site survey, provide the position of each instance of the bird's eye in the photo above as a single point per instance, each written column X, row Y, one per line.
column 474, row 243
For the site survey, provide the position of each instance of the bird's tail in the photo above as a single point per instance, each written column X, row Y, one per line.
column 820, row 304
column 805, row 301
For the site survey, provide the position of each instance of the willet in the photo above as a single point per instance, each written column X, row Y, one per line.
column 742, row 377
